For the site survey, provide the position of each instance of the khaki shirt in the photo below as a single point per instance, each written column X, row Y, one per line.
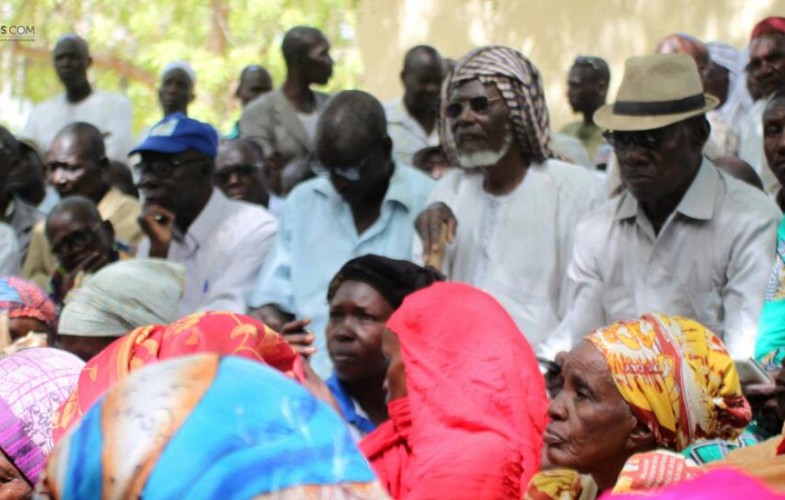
column 120, row 209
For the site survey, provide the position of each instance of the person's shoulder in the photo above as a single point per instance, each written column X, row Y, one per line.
column 417, row 181
column 262, row 103
column 57, row 101
column 570, row 175
column 743, row 199
column 251, row 214
column 310, row 191
column 104, row 96
column 393, row 110
column 604, row 215
column 571, row 128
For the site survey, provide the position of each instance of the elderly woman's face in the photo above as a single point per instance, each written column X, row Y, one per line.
column 12, row 482
column 590, row 422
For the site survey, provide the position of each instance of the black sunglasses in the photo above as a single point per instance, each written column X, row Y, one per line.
column 479, row 105
column 163, row 168
column 241, row 171
column 648, row 139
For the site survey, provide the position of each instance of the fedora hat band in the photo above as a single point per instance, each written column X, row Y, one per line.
column 656, row 108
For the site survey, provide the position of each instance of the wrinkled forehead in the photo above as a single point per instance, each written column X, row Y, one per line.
column 470, row 88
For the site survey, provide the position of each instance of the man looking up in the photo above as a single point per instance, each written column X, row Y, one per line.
column 283, row 122
column 255, row 81
column 766, row 71
column 239, row 171
column 587, row 86
column 221, row 242
column 109, row 112
column 411, row 120
column 365, row 203
column 176, row 88
column 77, row 163
column 684, row 238
column 514, row 206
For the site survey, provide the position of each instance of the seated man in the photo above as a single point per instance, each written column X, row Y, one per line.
column 239, row 171
column 109, row 112
column 81, row 241
column 684, row 238
column 366, row 204
column 222, row 243
column 516, row 208
column 411, row 119
column 16, row 212
column 77, row 163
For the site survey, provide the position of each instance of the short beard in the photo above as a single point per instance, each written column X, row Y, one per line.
column 487, row 158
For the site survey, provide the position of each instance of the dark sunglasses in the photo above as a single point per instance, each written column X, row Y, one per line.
column 241, row 171
column 479, row 105
column 648, row 139
column 163, row 168
column 76, row 240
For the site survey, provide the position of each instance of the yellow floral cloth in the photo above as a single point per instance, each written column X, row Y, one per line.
column 677, row 376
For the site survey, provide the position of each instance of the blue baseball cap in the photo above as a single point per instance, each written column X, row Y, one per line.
column 177, row 133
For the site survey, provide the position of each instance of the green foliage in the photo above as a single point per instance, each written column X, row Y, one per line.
column 130, row 42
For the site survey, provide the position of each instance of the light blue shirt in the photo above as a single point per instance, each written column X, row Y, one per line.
column 317, row 236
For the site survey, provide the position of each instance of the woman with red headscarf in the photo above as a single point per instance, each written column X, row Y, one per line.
column 467, row 402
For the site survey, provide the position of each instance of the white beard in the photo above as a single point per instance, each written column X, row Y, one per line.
column 487, row 158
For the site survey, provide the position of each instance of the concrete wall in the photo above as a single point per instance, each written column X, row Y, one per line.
column 550, row 32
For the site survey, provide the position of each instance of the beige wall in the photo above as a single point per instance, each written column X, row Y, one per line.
column 550, row 32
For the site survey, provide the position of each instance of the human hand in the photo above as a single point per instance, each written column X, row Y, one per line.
column 90, row 264
column 436, row 226
column 299, row 338
column 157, row 222
column 272, row 316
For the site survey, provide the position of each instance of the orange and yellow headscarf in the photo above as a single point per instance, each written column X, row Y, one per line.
column 677, row 376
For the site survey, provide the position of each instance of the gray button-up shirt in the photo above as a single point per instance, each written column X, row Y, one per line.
column 710, row 261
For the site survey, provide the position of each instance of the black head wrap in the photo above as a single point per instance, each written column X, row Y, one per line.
column 393, row 279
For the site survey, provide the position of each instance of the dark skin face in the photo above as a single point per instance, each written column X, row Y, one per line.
column 766, row 68
column 172, row 186
column 422, row 84
column 318, row 65
column 71, row 60
column 238, row 173
column 28, row 178
column 19, row 327
column 395, row 381
column 85, row 348
column 592, row 429
column 774, row 137
column 479, row 131
column 13, row 485
column 175, row 92
column 354, row 333
column 73, row 171
column 585, row 91
column 76, row 237
column 9, row 157
column 253, row 83
column 717, row 82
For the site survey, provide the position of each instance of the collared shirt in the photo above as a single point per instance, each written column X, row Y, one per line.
column 710, row 262
column 407, row 134
column 516, row 247
column 349, row 408
column 23, row 217
column 109, row 112
column 318, row 236
column 118, row 208
column 222, row 251
column 9, row 251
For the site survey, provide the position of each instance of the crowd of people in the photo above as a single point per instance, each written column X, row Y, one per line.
column 437, row 297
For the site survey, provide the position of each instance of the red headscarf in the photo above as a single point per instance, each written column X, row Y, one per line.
column 216, row 332
column 770, row 25
column 472, row 424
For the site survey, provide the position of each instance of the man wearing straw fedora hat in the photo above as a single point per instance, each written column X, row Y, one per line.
column 683, row 238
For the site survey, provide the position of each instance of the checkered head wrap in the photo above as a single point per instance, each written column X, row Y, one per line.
column 520, row 84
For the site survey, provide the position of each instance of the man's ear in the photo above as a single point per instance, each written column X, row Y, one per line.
column 109, row 228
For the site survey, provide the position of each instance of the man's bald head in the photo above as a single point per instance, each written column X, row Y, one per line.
column 298, row 41
column 254, row 81
column 421, row 55
column 76, row 41
column 352, row 121
column 74, row 208
column 89, row 138
column 682, row 43
column 71, row 60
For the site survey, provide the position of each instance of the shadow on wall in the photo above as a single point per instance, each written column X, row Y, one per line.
column 551, row 33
